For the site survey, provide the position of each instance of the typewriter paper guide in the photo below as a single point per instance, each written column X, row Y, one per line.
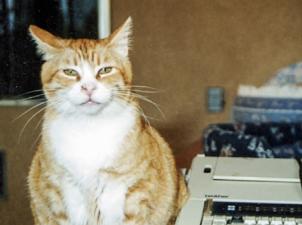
column 247, row 169
column 257, row 180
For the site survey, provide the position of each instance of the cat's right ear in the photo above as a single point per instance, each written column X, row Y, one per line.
column 120, row 39
column 48, row 45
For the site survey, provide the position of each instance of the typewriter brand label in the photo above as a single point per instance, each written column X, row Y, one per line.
column 216, row 196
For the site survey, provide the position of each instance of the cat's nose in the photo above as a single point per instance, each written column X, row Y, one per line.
column 88, row 88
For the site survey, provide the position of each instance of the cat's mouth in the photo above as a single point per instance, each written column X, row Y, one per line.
column 90, row 102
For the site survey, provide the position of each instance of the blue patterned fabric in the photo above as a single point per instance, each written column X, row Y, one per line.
column 269, row 103
column 291, row 74
column 262, row 115
column 265, row 110
column 248, row 109
column 266, row 140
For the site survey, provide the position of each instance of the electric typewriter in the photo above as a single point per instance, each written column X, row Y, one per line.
column 251, row 191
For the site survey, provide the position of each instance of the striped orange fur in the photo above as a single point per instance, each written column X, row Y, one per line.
column 98, row 162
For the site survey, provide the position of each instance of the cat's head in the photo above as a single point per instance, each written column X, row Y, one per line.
column 83, row 75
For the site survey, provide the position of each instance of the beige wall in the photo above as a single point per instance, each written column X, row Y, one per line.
column 181, row 48
column 19, row 148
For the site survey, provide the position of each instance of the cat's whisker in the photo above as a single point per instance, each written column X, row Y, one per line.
column 34, row 91
column 141, row 90
column 149, row 117
column 28, row 121
column 29, row 110
column 29, row 92
column 144, row 98
column 152, row 103
column 33, row 116
column 142, row 113
column 124, row 99
column 142, row 86
column 36, row 141
column 138, row 109
column 151, row 90
column 146, row 92
column 33, row 97
column 49, row 104
column 53, row 103
column 39, row 122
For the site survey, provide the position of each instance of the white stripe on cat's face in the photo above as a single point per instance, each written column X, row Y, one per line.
column 87, row 94
column 88, row 91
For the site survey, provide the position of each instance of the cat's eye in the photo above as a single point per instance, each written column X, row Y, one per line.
column 71, row 72
column 105, row 70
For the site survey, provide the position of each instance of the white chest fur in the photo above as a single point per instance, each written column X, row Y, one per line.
column 108, row 204
column 83, row 145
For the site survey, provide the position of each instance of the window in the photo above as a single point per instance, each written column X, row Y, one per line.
column 19, row 63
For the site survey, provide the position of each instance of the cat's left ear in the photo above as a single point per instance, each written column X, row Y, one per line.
column 48, row 45
column 120, row 39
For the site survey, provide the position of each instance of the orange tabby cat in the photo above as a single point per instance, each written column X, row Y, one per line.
column 98, row 161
